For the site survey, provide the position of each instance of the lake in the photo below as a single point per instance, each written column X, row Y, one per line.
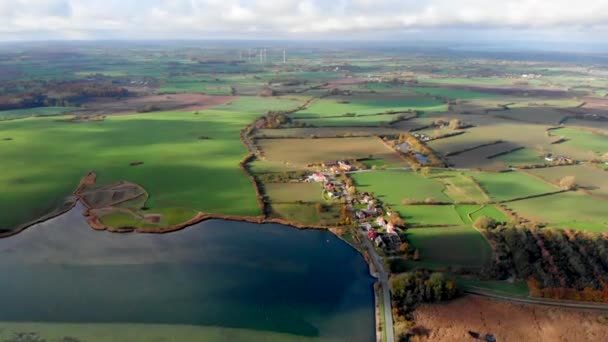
column 217, row 280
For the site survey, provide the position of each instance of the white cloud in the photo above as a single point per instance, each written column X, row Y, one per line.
column 311, row 18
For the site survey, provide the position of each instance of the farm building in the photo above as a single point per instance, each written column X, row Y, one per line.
column 317, row 177
column 345, row 166
column 366, row 226
column 361, row 215
column 390, row 228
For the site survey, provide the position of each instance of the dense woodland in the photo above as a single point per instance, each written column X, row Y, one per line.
column 562, row 264
column 36, row 93
column 413, row 288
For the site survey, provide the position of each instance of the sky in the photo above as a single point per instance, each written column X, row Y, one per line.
column 488, row 20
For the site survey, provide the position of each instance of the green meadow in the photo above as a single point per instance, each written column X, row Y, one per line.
column 470, row 213
column 511, row 185
column 522, row 157
column 331, row 107
column 350, row 121
column 450, row 246
column 461, row 187
column 585, row 140
column 39, row 111
column 425, row 215
column 572, row 210
column 179, row 169
column 394, row 186
column 450, row 93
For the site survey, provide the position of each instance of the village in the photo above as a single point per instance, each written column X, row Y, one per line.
column 377, row 222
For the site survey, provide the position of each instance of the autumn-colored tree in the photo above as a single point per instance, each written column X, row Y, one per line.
column 568, row 183
column 484, row 222
column 425, row 171
column 396, row 219
column 455, row 124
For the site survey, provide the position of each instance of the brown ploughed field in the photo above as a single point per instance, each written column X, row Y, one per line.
column 129, row 105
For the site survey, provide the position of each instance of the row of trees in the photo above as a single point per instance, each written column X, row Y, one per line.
column 571, row 261
column 281, row 177
column 273, row 120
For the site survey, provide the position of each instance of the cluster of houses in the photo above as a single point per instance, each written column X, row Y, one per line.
column 422, row 137
column 337, row 166
column 333, row 192
column 372, row 220
column 558, row 159
column 371, row 217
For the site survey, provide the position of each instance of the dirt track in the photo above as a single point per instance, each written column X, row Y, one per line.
column 130, row 105
column 508, row 322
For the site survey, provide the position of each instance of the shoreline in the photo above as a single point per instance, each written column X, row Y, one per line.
column 95, row 224
column 54, row 214
column 201, row 217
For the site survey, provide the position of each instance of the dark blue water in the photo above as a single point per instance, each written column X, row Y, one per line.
column 219, row 273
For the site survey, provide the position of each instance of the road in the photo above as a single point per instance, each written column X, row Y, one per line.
column 386, row 293
column 540, row 301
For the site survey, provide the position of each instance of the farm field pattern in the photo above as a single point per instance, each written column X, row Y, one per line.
column 442, row 146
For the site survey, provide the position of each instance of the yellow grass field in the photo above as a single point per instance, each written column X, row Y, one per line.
column 292, row 192
column 303, row 152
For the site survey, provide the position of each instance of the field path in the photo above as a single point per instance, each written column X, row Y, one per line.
column 539, row 301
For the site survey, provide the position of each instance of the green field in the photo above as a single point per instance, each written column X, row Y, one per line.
column 522, row 157
column 392, row 187
column 539, row 115
column 469, row 213
column 39, row 111
column 330, row 107
column 507, row 186
column 429, row 215
column 588, row 177
column 452, row 246
column 179, row 170
column 469, row 81
column 585, row 140
column 450, row 93
column 350, row 121
column 461, row 187
column 566, row 210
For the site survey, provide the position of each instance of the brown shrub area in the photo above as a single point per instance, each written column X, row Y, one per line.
column 507, row 322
